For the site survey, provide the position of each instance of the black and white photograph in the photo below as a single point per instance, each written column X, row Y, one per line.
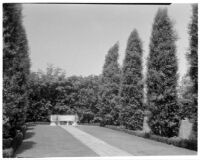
column 91, row 79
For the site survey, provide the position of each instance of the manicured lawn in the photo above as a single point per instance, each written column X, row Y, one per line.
column 135, row 145
column 54, row 141
column 51, row 141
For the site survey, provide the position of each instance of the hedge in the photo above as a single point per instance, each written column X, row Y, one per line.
column 90, row 124
column 33, row 123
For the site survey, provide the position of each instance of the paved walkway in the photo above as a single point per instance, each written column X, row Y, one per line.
column 98, row 146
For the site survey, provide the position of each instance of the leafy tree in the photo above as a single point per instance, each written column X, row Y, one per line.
column 110, row 81
column 52, row 93
column 162, row 77
column 46, row 90
column 131, row 90
column 16, row 65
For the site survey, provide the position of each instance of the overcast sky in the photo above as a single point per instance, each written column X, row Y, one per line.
column 77, row 37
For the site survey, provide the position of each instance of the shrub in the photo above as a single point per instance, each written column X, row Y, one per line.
column 7, row 143
column 8, row 153
column 108, row 119
column 97, row 120
column 102, row 123
column 17, row 140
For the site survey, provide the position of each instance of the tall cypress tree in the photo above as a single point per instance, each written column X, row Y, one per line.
column 162, row 77
column 16, row 65
column 131, row 91
column 193, row 54
column 109, row 85
column 193, row 59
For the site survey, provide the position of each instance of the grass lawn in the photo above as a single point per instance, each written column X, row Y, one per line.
column 133, row 144
column 51, row 141
column 54, row 141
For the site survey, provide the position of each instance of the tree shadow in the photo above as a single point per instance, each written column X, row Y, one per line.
column 29, row 134
column 26, row 145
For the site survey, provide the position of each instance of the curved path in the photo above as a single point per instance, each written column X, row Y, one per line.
column 87, row 141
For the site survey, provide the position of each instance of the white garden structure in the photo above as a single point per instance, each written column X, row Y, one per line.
column 63, row 119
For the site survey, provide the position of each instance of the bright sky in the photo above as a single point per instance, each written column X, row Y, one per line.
column 77, row 37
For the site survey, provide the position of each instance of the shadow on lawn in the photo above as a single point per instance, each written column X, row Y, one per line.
column 26, row 145
column 29, row 134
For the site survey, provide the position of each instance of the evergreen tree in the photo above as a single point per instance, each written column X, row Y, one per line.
column 162, row 77
column 16, row 66
column 109, row 85
column 193, row 59
column 131, row 90
column 193, row 54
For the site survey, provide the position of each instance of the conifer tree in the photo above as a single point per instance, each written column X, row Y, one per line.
column 193, row 54
column 109, row 87
column 131, row 91
column 162, row 77
column 193, row 70
column 16, row 67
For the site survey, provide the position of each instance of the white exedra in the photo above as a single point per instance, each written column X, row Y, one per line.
column 64, row 119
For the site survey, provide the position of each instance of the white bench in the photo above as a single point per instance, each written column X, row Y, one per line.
column 60, row 119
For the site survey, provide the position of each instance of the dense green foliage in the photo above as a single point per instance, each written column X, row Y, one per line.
column 193, row 58
column 131, row 91
column 52, row 93
column 189, row 94
column 15, row 70
column 193, row 54
column 109, row 87
column 162, row 77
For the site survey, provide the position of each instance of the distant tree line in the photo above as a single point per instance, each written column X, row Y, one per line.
column 115, row 97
